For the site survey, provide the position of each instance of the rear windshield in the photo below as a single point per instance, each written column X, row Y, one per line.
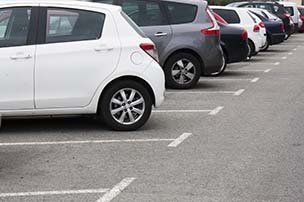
column 132, row 24
column 289, row 9
column 252, row 17
column 229, row 16
column 301, row 11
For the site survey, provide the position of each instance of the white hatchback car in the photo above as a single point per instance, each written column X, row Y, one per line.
column 70, row 57
column 241, row 17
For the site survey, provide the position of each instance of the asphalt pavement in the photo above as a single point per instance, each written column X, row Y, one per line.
column 238, row 137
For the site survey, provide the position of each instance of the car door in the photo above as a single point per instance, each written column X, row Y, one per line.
column 17, row 53
column 150, row 16
column 79, row 50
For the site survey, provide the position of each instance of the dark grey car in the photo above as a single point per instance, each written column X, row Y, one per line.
column 186, row 36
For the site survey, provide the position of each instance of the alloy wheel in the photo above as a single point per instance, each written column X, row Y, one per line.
column 183, row 71
column 127, row 106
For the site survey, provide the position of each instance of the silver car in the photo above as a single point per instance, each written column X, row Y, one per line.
column 185, row 33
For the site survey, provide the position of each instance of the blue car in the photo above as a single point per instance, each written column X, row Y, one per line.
column 274, row 29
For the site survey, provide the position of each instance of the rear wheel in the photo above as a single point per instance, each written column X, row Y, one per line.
column 266, row 46
column 125, row 106
column 251, row 47
column 182, row 71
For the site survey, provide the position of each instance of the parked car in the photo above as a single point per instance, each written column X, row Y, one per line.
column 234, row 41
column 79, row 58
column 241, row 17
column 292, row 9
column 185, row 34
column 272, row 7
column 301, row 11
column 274, row 29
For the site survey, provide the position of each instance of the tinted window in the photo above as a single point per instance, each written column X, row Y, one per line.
column 301, row 11
column 65, row 25
column 144, row 13
column 265, row 6
column 14, row 26
column 229, row 16
column 289, row 10
column 181, row 13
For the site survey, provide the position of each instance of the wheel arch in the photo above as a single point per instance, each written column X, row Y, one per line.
column 123, row 78
column 189, row 51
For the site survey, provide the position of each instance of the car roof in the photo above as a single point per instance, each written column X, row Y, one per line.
column 80, row 3
column 285, row 3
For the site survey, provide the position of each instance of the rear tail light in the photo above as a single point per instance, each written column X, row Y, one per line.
column 214, row 29
column 150, row 49
column 211, row 32
column 244, row 35
column 262, row 24
column 282, row 28
column 256, row 28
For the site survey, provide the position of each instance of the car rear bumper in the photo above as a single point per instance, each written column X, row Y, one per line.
column 213, row 60
column 277, row 38
column 155, row 77
column 238, row 53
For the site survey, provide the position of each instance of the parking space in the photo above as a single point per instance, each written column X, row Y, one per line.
column 194, row 148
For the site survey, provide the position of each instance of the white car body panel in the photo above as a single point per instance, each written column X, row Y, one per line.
column 69, row 77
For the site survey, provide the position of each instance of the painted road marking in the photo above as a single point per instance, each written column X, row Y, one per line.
column 290, row 53
column 83, row 142
column 209, row 111
column 251, row 70
column 255, row 80
column 216, row 111
column 179, row 140
column 205, row 92
column 116, row 190
column 42, row 193
column 239, row 92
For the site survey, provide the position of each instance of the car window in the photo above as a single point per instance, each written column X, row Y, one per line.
column 289, row 9
column 180, row 13
column 301, row 11
column 229, row 16
column 14, row 26
column 144, row 13
column 252, row 17
column 265, row 6
column 64, row 25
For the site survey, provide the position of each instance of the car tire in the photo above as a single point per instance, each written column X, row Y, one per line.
column 116, row 109
column 251, row 47
column 266, row 46
column 182, row 71
column 224, row 65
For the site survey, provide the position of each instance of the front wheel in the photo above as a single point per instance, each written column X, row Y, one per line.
column 125, row 106
column 182, row 71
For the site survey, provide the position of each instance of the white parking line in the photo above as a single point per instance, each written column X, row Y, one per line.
column 182, row 111
column 250, row 70
column 294, row 49
column 216, row 111
column 179, row 140
column 227, row 79
column 260, row 63
column 290, row 53
column 116, row 190
column 83, row 142
column 209, row 111
column 239, row 92
column 255, row 80
column 204, row 92
column 42, row 193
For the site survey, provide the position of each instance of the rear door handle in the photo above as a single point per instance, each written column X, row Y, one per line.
column 21, row 57
column 160, row 34
column 103, row 47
